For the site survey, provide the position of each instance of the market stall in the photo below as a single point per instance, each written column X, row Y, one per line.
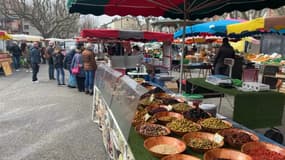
column 125, row 62
column 247, row 104
column 24, row 37
column 117, row 108
column 5, row 59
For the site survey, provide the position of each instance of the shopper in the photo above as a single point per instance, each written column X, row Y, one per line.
column 67, row 65
column 77, row 62
column 16, row 53
column 26, row 54
column 90, row 66
column 58, row 64
column 35, row 61
column 225, row 51
column 49, row 56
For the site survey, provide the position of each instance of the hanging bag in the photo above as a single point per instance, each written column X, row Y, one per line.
column 76, row 69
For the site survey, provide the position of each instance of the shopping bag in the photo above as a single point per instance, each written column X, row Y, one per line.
column 75, row 70
column 72, row 81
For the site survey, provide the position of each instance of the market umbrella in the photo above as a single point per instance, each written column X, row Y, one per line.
column 257, row 26
column 183, row 9
column 218, row 28
column 126, row 35
column 4, row 35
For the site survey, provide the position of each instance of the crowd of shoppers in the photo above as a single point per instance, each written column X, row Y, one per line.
column 79, row 62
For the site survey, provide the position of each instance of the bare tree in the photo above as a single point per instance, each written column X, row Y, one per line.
column 88, row 22
column 49, row 17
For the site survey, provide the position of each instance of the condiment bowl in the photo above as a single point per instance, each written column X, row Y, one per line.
column 151, row 130
column 201, row 135
column 160, row 115
column 157, row 146
column 236, row 137
column 213, row 128
column 250, row 146
column 180, row 157
column 221, row 153
column 194, row 126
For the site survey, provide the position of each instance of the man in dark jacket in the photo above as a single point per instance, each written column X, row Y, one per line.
column 49, row 54
column 16, row 52
column 35, row 61
column 67, row 65
column 225, row 51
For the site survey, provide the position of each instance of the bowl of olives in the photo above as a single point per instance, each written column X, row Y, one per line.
column 214, row 124
column 183, row 126
column 152, row 130
column 201, row 141
column 165, row 117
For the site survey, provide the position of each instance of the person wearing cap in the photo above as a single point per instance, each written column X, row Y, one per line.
column 90, row 66
column 35, row 61
column 225, row 51
column 49, row 53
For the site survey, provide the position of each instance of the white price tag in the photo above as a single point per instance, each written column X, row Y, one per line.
column 146, row 117
column 218, row 138
column 151, row 98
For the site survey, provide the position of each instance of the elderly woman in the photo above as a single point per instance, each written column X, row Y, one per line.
column 90, row 66
column 77, row 62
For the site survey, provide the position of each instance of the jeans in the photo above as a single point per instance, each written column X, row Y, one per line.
column 35, row 68
column 16, row 62
column 51, row 71
column 60, row 72
column 89, row 80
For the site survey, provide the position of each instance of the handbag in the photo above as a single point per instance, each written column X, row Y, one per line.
column 75, row 70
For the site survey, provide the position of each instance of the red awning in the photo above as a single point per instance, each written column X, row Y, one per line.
column 126, row 35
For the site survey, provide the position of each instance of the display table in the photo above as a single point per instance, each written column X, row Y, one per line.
column 252, row 109
column 136, row 142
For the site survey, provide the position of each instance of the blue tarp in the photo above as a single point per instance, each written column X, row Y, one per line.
column 217, row 28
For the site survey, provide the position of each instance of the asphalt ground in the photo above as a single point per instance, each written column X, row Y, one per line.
column 45, row 121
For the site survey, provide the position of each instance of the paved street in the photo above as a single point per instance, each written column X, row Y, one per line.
column 45, row 121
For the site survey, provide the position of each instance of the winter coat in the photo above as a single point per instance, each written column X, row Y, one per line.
column 58, row 60
column 88, row 57
column 77, row 61
column 35, row 56
column 15, row 50
column 68, row 59
column 225, row 51
column 49, row 54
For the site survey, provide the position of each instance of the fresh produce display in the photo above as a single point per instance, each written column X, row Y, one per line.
column 183, row 125
column 140, row 118
column 196, row 114
column 201, row 143
column 237, row 137
column 153, row 130
column 181, row 107
column 214, row 123
column 264, row 154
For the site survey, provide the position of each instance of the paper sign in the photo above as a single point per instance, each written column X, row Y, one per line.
column 218, row 138
column 146, row 117
column 6, row 68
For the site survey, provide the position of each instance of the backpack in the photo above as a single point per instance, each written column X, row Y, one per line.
column 274, row 134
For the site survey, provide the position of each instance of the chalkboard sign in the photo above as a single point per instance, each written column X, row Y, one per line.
column 270, row 70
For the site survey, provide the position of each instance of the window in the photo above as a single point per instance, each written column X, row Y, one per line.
column 26, row 26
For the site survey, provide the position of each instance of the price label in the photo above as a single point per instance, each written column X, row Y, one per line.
column 168, row 107
column 146, row 117
column 218, row 138
column 151, row 98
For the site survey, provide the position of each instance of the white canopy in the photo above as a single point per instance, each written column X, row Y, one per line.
column 24, row 37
